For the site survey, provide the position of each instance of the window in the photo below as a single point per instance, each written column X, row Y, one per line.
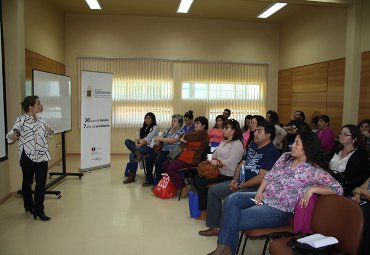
column 222, row 91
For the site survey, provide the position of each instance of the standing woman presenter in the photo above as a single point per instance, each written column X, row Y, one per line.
column 32, row 132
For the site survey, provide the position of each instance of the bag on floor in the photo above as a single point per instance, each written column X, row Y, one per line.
column 193, row 204
column 165, row 188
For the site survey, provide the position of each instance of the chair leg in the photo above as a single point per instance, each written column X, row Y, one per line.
column 180, row 194
column 244, row 245
column 240, row 242
column 265, row 246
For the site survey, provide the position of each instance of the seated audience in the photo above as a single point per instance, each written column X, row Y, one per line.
column 364, row 126
column 261, row 155
column 246, row 130
column 142, row 145
column 349, row 162
column 216, row 134
column 227, row 113
column 226, row 157
column 325, row 134
column 193, row 145
column 362, row 196
column 168, row 140
column 314, row 121
column 188, row 120
column 273, row 117
column 293, row 179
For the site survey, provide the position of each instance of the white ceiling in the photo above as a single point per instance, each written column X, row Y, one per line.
column 245, row 10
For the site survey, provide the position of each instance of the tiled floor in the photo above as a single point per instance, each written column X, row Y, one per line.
column 99, row 215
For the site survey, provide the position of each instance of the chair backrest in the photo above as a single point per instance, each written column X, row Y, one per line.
column 340, row 217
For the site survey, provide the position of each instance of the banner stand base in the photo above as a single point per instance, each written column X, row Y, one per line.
column 94, row 168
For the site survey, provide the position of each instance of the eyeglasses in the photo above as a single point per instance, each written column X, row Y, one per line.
column 344, row 134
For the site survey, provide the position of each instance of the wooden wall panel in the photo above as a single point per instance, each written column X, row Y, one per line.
column 285, row 86
column 363, row 113
column 336, row 117
column 285, row 113
column 311, row 78
column 335, row 91
column 42, row 63
column 60, row 69
column 365, row 81
column 311, row 103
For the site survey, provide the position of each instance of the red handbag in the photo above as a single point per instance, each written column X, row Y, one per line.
column 165, row 188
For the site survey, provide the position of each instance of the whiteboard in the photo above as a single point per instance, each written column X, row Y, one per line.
column 54, row 92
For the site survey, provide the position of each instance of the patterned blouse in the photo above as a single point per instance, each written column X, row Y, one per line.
column 32, row 139
column 169, row 134
column 285, row 186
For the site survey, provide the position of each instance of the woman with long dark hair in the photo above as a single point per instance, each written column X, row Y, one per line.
column 32, row 133
column 349, row 161
column 293, row 179
column 142, row 146
column 226, row 158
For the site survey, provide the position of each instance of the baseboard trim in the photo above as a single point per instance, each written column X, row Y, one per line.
column 2, row 201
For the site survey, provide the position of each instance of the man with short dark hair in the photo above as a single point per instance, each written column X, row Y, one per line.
column 296, row 125
column 226, row 113
column 261, row 155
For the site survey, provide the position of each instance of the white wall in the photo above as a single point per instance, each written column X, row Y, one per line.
column 44, row 29
column 179, row 38
column 313, row 36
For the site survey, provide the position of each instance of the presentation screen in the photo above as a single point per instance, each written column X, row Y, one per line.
column 54, row 91
column 3, row 144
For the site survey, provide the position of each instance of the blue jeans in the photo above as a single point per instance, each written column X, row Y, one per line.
column 216, row 195
column 241, row 213
column 143, row 150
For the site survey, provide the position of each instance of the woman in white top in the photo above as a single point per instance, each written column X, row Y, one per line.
column 31, row 131
column 349, row 161
column 226, row 157
column 280, row 134
column 142, row 146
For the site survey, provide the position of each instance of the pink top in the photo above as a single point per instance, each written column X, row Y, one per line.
column 327, row 139
column 216, row 135
column 246, row 136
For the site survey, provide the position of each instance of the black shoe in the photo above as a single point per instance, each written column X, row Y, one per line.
column 42, row 216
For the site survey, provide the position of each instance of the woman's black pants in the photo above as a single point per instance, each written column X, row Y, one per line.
column 38, row 170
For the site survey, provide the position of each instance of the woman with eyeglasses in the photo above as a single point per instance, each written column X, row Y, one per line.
column 349, row 162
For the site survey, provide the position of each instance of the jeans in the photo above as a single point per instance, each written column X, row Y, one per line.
column 216, row 194
column 201, row 184
column 143, row 150
column 241, row 213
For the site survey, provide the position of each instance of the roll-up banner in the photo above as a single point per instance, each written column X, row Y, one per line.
column 96, row 112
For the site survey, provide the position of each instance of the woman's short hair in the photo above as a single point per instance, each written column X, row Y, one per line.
column 274, row 117
column 189, row 114
column 324, row 118
column 179, row 118
column 234, row 124
column 28, row 101
column 203, row 120
column 356, row 135
column 313, row 150
column 259, row 118
column 363, row 122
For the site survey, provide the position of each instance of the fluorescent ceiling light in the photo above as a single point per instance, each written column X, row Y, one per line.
column 184, row 6
column 93, row 4
column 269, row 10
